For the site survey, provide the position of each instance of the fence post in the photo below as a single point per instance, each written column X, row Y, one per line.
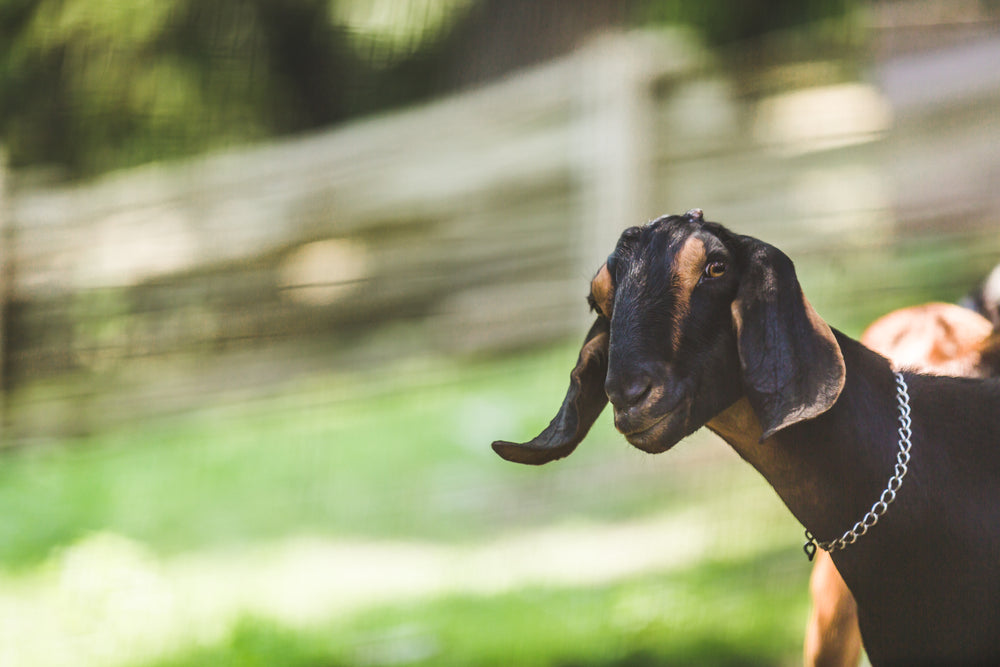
column 617, row 137
column 6, row 274
column 612, row 155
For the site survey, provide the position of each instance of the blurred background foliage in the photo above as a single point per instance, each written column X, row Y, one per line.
column 88, row 86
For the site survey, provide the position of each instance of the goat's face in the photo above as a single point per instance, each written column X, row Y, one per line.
column 691, row 318
column 672, row 356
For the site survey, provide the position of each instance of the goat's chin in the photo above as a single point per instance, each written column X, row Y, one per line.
column 663, row 434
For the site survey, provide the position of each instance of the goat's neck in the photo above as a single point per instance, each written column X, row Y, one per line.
column 828, row 470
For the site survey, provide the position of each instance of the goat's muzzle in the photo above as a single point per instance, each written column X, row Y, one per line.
column 648, row 411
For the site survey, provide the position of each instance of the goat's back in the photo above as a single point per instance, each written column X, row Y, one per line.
column 939, row 338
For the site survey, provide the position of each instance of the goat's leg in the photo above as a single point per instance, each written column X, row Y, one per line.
column 832, row 636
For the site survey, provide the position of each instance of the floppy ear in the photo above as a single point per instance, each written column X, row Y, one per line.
column 583, row 403
column 792, row 366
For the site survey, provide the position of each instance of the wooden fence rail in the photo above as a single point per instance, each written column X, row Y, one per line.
column 473, row 223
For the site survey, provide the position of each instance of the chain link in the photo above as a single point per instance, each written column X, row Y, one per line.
column 889, row 494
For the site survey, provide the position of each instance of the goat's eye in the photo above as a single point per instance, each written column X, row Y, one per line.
column 715, row 269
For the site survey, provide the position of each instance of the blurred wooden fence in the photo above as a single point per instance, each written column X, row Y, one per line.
column 475, row 212
column 474, row 223
column 6, row 280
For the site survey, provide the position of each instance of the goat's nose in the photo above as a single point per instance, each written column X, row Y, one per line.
column 630, row 392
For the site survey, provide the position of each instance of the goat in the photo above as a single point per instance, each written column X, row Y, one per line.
column 938, row 338
column 698, row 326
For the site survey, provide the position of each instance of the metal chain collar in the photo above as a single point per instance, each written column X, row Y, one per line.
column 889, row 494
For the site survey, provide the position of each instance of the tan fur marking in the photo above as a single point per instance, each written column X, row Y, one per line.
column 602, row 290
column 738, row 425
column 687, row 267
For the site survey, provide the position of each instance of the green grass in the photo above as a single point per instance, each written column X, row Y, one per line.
column 407, row 457
column 715, row 614
column 400, row 457
column 709, row 615
column 310, row 459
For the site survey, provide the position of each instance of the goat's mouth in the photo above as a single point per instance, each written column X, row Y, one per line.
column 658, row 434
column 659, row 424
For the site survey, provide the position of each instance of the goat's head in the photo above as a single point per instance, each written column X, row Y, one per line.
column 690, row 318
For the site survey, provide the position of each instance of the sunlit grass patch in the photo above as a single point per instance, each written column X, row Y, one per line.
column 710, row 614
